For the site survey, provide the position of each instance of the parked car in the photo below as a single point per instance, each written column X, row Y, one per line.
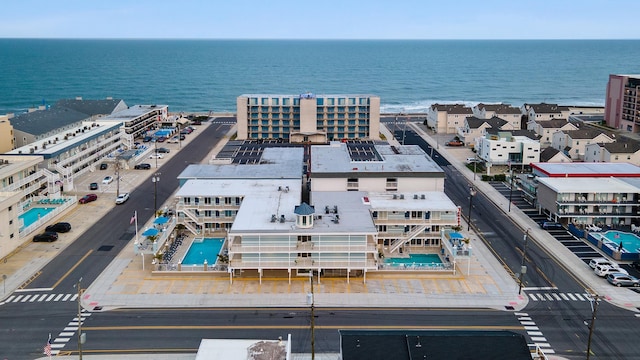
column 163, row 150
column 107, row 180
column 173, row 140
column 143, row 166
column 182, row 137
column 604, row 270
column 621, row 279
column 61, row 227
column 147, row 139
column 88, row 198
column 161, row 139
column 122, row 198
column 93, row 186
column 472, row 160
column 454, row 143
column 550, row 225
column 156, row 156
column 48, row 236
column 601, row 261
column 104, row 166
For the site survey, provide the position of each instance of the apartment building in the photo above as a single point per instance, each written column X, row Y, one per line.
column 511, row 114
column 308, row 117
column 619, row 151
column 519, row 147
column 475, row 128
column 622, row 104
column 546, row 129
column 573, row 142
column 544, row 111
column 447, row 118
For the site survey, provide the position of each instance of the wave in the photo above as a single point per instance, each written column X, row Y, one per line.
column 422, row 106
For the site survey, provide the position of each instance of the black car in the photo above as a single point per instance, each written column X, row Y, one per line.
column 48, row 236
column 550, row 225
column 143, row 166
column 61, row 227
column 147, row 139
column 93, row 186
column 163, row 150
column 104, row 166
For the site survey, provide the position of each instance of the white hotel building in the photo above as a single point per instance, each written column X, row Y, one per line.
column 259, row 209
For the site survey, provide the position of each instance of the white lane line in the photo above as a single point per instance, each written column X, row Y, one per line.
column 538, row 338
column 548, row 297
column 556, row 296
column 50, row 297
column 74, row 297
column 524, row 318
column 66, row 297
column 43, row 297
column 580, row 297
column 67, row 333
column 527, row 322
column 534, row 333
column 58, row 297
column 570, row 295
column 531, row 328
column 10, row 298
column 24, row 299
column 533, row 297
column 61, row 340
column 564, row 296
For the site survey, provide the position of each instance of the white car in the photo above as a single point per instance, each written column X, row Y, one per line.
column 604, row 270
column 122, row 198
column 173, row 140
column 601, row 261
column 156, row 156
column 107, row 180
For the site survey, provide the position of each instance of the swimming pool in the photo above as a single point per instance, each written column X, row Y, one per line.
column 415, row 260
column 630, row 242
column 163, row 132
column 32, row 215
column 203, row 249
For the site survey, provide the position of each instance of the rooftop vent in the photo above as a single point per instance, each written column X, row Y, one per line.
column 281, row 218
column 273, row 218
column 395, row 196
column 415, row 196
column 401, row 196
column 422, row 197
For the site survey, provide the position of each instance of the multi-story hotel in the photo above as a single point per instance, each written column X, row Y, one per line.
column 365, row 200
column 308, row 117
column 622, row 106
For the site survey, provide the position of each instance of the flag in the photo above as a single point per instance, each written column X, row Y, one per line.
column 133, row 218
column 47, row 347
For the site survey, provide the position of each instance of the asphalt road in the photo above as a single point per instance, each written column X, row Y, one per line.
column 92, row 252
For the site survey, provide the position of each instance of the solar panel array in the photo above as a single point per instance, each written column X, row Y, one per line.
column 363, row 151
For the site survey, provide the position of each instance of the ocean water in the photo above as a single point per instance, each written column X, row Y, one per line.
column 408, row 75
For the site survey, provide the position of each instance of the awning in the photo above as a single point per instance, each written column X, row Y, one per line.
column 161, row 220
column 150, row 232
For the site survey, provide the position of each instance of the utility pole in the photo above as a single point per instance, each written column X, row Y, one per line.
column 523, row 268
column 592, row 325
column 313, row 321
column 510, row 187
column 117, row 165
column 155, row 179
column 472, row 193
column 81, row 336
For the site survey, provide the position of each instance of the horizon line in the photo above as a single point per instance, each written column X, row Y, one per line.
column 319, row 39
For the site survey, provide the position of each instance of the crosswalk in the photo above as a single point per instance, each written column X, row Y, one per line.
column 32, row 298
column 68, row 332
column 553, row 296
column 539, row 342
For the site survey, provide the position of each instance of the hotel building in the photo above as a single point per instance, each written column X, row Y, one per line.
column 308, row 117
column 622, row 105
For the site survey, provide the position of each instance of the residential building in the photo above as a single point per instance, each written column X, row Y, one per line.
column 589, row 200
column 475, row 128
column 622, row 104
column 308, row 117
column 137, row 120
column 447, row 118
column 573, row 142
column 620, row 151
column 544, row 111
column 511, row 114
column 64, row 115
column 519, row 147
column 550, row 154
column 546, row 129
column 7, row 137
column 375, row 168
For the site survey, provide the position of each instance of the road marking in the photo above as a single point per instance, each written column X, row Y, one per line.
column 34, row 289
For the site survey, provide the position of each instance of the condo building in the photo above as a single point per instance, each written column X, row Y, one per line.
column 308, row 117
column 622, row 105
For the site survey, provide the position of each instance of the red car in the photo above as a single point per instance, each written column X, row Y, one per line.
column 88, row 198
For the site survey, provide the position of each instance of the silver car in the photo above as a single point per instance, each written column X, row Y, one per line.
column 620, row 279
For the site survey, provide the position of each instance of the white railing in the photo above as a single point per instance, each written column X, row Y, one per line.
column 410, row 235
column 70, row 201
column 239, row 248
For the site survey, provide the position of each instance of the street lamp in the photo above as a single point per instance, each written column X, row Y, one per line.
column 510, row 187
column 523, row 268
column 472, row 193
column 155, row 179
column 155, row 142
column 595, row 299
column 311, row 301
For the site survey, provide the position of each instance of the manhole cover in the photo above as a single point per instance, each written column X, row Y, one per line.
column 105, row 248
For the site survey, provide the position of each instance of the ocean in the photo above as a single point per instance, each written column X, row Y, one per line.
column 408, row 75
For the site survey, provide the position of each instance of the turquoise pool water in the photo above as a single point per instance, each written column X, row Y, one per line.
column 32, row 215
column 201, row 250
column 630, row 242
column 416, row 259
column 163, row 132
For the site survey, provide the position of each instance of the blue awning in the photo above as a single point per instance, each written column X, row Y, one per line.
column 150, row 232
column 160, row 220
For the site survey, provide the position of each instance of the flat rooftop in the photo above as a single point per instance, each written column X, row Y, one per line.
column 337, row 159
column 408, row 201
column 133, row 112
column 588, row 185
column 275, row 163
column 584, row 169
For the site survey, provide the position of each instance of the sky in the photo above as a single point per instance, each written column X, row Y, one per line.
column 320, row 19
